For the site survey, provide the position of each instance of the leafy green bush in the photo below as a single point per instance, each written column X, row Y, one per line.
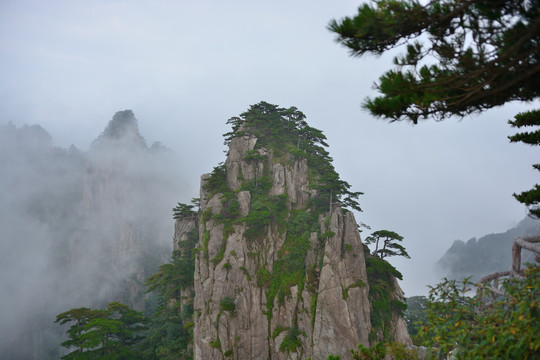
column 345, row 290
column 291, row 341
column 231, row 206
column 205, row 239
column 382, row 351
column 216, row 344
column 265, row 210
column 227, row 304
column 257, row 187
column 376, row 352
column 506, row 328
column 207, row 215
column 290, row 269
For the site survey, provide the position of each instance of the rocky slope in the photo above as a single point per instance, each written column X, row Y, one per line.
column 280, row 271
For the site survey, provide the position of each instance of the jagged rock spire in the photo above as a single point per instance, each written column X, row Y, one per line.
column 123, row 129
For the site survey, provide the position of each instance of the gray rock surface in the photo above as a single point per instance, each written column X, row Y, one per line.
column 331, row 311
column 342, row 316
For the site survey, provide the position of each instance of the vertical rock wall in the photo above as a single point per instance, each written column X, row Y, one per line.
column 342, row 317
column 234, row 317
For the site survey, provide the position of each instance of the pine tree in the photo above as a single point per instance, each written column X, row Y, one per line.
column 531, row 198
column 463, row 56
column 388, row 242
column 102, row 334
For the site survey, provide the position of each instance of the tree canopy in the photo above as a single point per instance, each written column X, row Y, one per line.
column 186, row 210
column 102, row 334
column 389, row 241
column 463, row 56
column 286, row 132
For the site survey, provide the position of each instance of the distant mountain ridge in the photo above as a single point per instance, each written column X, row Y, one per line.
column 490, row 253
column 78, row 228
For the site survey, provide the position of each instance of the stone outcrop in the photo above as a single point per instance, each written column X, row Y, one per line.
column 280, row 269
column 236, row 315
column 342, row 316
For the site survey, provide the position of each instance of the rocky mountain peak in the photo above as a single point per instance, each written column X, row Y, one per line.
column 280, row 270
column 122, row 130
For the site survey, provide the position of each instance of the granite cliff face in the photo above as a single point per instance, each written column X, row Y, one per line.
column 280, row 271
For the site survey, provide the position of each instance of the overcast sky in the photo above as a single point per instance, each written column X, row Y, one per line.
column 185, row 67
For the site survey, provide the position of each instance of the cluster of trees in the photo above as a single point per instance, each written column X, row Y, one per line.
column 285, row 131
column 170, row 327
column 506, row 328
column 102, row 334
column 121, row 333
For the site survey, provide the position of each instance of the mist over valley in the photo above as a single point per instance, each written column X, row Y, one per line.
column 79, row 228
